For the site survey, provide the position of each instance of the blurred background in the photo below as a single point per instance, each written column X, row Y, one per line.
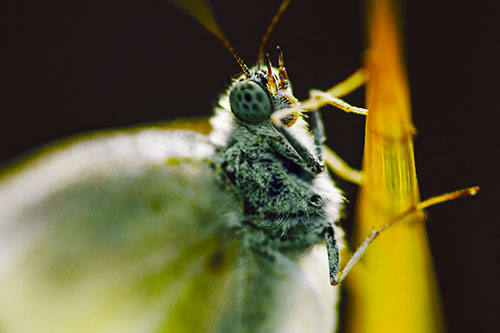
column 73, row 67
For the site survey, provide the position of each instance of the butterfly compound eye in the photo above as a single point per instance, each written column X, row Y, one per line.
column 250, row 102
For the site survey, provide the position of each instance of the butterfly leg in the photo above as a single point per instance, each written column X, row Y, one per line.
column 332, row 95
column 324, row 153
column 417, row 208
column 316, row 159
column 341, row 168
column 325, row 97
column 319, row 134
column 313, row 162
column 353, row 82
column 332, row 250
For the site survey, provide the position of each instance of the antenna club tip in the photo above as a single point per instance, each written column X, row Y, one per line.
column 472, row 190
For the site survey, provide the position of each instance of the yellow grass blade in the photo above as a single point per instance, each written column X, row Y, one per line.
column 394, row 290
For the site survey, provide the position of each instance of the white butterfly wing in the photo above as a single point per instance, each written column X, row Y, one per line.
column 130, row 232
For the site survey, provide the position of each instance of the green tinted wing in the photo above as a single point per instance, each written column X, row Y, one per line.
column 112, row 233
column 132, row 232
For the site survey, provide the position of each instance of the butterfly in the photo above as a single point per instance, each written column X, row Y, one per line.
column 155, row 229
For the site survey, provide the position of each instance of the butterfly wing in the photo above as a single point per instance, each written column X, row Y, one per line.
column 131, row 232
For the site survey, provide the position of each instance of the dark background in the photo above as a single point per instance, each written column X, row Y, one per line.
column 78, row 66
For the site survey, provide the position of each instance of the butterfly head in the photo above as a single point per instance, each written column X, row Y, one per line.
column 255, row 95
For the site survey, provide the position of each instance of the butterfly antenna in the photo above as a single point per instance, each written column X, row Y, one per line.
column 270, row 29
column 202, row 12
column 235, row 55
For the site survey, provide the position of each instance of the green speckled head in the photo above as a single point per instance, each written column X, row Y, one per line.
column 250, row 102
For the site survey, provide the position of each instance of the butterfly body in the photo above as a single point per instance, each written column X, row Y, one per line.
column 287, row 204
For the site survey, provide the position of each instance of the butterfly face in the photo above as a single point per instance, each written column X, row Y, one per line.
column 254, row 97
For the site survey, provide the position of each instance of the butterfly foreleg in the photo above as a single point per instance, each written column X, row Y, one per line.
column 313, row 162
